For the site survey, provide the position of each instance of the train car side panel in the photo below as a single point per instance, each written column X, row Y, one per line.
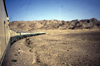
column 4, row 31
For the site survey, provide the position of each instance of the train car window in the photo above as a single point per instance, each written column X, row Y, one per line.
column 4, row 22
column 5, row 31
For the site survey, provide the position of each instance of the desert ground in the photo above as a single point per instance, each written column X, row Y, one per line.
column 58, row 48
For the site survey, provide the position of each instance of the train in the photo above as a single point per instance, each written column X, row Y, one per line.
column 8, row 36
column 17, row 35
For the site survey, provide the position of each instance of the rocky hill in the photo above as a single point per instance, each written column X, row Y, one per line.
column 55, row 24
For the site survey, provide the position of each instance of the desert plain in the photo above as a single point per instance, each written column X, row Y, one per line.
column 58, row 47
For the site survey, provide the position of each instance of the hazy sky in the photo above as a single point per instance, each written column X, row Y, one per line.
column 29, row 10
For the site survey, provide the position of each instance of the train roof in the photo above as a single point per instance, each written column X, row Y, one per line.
column 5, row 8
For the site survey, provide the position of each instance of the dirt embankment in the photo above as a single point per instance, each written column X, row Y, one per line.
column 55, row 24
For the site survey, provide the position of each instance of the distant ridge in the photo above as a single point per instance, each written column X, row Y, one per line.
column 55, row 24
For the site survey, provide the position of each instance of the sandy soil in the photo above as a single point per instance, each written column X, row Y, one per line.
column 57, row 48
